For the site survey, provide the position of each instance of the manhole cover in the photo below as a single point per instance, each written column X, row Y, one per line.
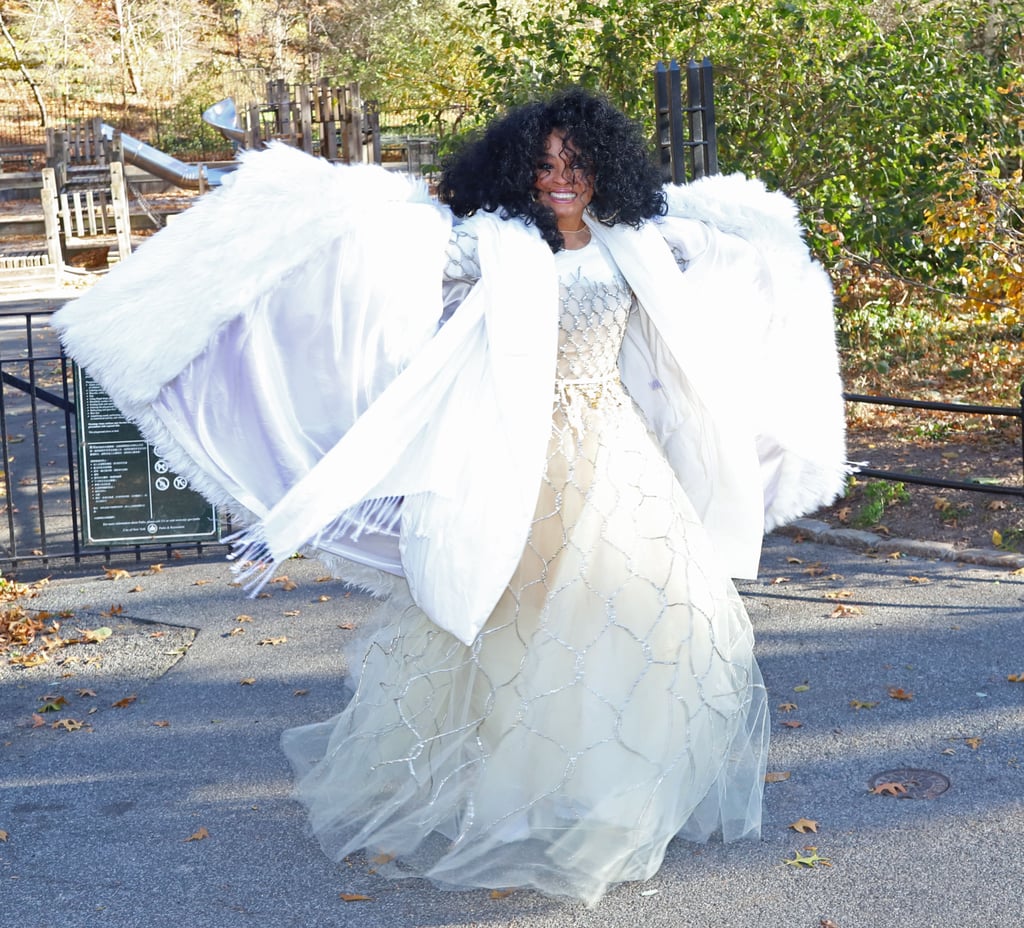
column 917, row 784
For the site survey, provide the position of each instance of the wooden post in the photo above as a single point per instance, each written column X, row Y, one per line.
column 328, row 121
column 51, row 223
column 353, row 124
column 122, row 216
column 305, row 120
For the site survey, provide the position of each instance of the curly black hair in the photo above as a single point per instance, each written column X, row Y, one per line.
column 496, row 171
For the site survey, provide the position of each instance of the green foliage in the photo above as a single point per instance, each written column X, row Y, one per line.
column 879, row 496
column 978, row 227
column 607, row 44
column 844, row 119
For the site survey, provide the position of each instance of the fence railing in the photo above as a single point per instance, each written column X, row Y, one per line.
column 965, row 409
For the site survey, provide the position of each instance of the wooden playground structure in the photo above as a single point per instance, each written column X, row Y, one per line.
column 84, row 203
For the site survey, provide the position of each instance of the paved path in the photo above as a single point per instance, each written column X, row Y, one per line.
column 98, row 819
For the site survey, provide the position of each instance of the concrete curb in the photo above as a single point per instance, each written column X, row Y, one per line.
column 823, row 533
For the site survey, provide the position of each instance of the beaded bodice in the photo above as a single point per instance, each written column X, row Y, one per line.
column 594, row 304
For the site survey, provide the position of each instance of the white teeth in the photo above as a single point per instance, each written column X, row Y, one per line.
column 566, row 197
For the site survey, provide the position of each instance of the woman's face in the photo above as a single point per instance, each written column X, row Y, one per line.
column 563, row 182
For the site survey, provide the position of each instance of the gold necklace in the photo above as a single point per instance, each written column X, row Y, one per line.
column 574, row 231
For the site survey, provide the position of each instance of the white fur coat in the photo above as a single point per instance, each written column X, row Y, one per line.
column 278, row 343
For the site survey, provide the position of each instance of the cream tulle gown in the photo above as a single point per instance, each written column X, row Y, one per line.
column 611, row 701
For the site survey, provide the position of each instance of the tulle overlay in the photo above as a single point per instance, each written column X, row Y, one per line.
column 612, row 700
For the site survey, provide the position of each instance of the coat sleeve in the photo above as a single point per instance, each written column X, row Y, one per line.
column 248, row 337
column 770, row 323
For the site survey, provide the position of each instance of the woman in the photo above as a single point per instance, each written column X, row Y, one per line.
column 563, row 474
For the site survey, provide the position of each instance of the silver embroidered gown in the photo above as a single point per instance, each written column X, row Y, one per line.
column 611, row 701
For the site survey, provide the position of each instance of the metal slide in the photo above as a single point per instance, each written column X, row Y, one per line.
column 222, row 116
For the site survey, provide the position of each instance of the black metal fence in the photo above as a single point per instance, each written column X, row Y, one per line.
column 687, row 137
column 963, row 409
column 38, row 439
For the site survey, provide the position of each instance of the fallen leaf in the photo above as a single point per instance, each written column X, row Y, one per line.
column 199, row 835
column 96, row 635
column 115, row 573
column 248, row 681
column 200, row 582
column 862, row 704
column 894, row 556
column 291, row 613
column 804, row 825
column 973, row 743
column 347, row 626
column 155, row 568
column 4, row 836
column 792, row 724
column 37, row 720
column 124, row 703
column 815, row 570
column 300, row 692
column 322, row 599
column 777, row 776
column 382, row 859
column 286, row 584
column 236, row 631
column 843, row 514
column 68, row 724
column 889, row 789
column 838, row 594
column 281, row 639
column 997, row 537
column 501, row 893
column 53, row 704
column 354, row 897
column 84, row 694
column 162, row 723
column 809, row 860
column 778, row 580
column 787, row 707
column 113, row 610
column 919, row 580
column 793, row 560
column 243, row 618
column 844, row 611
column 827, row 923
column 801, row 688
column 157, row 634
column 897, row 692
column 135, row 589
column 1016, row 677
column 995, row 504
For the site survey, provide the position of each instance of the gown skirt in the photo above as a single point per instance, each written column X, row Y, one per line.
column 610, row 703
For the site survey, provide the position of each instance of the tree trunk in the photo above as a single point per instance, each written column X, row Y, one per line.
column 24, row 72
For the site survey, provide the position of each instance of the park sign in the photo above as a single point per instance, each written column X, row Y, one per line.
column 129, row 494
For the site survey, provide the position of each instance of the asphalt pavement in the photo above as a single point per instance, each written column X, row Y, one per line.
column 155, row 794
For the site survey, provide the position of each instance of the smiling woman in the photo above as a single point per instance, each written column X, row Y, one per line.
column 545, row 420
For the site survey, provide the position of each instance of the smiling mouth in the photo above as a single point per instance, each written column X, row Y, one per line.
column 562, row 197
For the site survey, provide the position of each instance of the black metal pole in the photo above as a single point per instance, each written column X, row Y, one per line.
column 661, row 119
